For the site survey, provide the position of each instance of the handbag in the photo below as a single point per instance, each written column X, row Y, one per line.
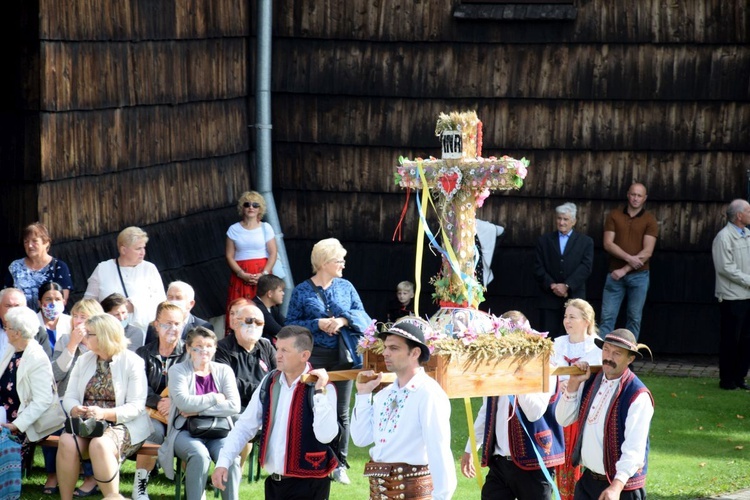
column 51, row 421
column 155, row 414
column 85, row 428
column 208, row 427
column 349, row 358
column 279, row 270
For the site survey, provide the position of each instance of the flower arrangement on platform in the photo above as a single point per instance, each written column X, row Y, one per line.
column 507, row 339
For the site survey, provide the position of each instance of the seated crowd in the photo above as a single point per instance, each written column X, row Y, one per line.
column 131, row 365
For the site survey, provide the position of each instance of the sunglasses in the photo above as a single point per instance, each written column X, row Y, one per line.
column 257, row 322
column 254, row 204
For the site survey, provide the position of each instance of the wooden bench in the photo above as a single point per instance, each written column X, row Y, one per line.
column 152, row 450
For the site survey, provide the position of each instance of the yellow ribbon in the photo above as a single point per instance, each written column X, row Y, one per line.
column 473, row 442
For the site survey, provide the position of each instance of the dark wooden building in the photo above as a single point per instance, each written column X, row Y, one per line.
column 138, row 113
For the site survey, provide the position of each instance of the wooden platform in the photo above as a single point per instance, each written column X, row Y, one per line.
column 460, row 378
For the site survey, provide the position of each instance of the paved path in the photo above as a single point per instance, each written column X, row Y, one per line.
column 678, row 366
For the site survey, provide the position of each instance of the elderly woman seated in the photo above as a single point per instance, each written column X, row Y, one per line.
column 27, row 387
column 200, row 387
column 108, row 383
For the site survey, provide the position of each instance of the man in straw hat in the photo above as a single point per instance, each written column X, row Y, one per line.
column 408, row 421
column 615, row 404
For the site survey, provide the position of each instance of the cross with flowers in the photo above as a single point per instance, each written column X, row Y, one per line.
column 456, row 185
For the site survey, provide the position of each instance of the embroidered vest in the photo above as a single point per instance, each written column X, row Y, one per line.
column 305, row 457
column 547, row 434
column 614, row 427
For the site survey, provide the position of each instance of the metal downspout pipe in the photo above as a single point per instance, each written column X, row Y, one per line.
column 263, row 135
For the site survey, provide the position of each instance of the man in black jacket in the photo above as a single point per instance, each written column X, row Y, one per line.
column 250, row 356
column 270, row 295
column 563, row 264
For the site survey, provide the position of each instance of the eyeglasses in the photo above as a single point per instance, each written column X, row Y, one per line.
column 339, row 262
column 254, row 204
column 203, row 350
column 257, row 322
column 169, row 326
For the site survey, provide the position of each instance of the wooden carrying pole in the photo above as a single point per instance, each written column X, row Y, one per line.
column 388, row 377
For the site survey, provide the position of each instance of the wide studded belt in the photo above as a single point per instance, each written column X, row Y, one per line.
column 398, row 481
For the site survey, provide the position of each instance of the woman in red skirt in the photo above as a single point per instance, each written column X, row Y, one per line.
column 250, row 247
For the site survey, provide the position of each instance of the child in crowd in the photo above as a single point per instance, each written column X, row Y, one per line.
column 403, row 304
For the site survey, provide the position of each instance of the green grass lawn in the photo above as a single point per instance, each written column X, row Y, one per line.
column 700, row 446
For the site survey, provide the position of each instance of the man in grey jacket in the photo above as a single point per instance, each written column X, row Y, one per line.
column 731, row 255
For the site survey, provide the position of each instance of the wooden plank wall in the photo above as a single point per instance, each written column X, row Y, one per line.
column 650, row 91
column 138, row 116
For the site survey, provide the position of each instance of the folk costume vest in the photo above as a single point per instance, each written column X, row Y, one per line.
column 614, row 427
column 306, row 457
column 546, row 432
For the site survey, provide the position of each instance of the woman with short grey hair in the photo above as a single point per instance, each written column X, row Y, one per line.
column 27, row 386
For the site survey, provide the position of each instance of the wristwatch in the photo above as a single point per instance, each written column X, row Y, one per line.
column 321, row 391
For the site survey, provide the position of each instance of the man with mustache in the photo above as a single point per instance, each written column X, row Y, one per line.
column 615, row 404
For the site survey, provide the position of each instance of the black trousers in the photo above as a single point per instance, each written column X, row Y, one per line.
column 550, row 320
column 588, row 488
column 507, row 481
column 734, row 346
column 298, row 489
column 328, row 359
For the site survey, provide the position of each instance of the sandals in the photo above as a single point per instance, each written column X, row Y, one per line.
column 51, row 490
column 79, row 493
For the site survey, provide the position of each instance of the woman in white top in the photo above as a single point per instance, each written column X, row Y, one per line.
column 577, row 345
column 51, row 315
column 250, row 247
column 138, row 280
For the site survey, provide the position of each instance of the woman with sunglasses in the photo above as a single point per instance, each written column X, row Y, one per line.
column 200, row 387
column 250, row 247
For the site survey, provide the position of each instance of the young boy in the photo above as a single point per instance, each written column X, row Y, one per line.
column 403, row 304
column 269, row 297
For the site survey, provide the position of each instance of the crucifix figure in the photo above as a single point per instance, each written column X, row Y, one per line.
column 458, row 184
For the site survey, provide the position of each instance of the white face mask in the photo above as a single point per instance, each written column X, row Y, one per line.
column 253, row 332
column 125, row 321
column 182, row 304
column 52, row 310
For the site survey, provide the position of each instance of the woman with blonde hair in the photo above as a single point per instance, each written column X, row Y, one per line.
column 329, row 306
column 577, row 345
column 108, row 383
column 250, row 247
column 132, row 276
column 68, row 349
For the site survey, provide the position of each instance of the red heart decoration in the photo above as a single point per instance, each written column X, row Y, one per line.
column 449, row 183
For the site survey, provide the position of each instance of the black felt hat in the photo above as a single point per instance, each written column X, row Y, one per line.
column 410, row 331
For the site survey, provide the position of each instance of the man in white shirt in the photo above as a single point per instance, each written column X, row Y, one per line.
column 506, row 429
column 408, row 421
column 294, row 451
column 617, row 400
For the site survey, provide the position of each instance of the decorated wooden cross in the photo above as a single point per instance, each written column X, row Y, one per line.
column 457, row 184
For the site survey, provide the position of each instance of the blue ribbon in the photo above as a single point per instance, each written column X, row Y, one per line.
column 546, row 473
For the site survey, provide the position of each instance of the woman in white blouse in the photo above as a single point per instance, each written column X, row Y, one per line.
column 138, row 280
column 250, row 247
column 577, row 345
